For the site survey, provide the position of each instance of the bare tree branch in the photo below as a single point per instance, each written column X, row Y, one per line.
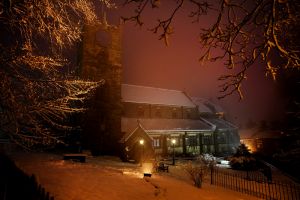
column 245, row 32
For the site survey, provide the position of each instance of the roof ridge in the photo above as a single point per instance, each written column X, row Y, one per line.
column 189, row 97
column 143, row 86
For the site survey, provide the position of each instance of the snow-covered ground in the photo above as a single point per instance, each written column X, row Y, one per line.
column 107, row 178
column 223, row 163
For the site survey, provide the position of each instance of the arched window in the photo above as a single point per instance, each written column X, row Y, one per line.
column 156, row 142
column 221, row 138
column 158, row 112
column 174, row 113
column 141, row 111
column 207, row 139
column 188, row 113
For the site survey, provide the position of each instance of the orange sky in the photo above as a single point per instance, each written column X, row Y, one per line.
column 147, row 61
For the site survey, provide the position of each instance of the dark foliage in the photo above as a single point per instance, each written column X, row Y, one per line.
column 243, row 160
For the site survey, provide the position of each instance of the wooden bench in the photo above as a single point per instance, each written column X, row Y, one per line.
column 162, row 167
column 76, row 156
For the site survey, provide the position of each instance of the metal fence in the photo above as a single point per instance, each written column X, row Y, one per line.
column 15, row 184
column 256, row 184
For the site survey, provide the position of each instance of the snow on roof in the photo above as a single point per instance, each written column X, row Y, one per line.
column 200, row 102
column 220, row 123
column 206, row 106
column 129, row 134
column 157, row 124
column 151, row 95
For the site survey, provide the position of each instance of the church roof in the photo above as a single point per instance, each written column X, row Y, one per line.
column 200, row 102
column 206, row 106
column 139, row 129
column 164, row 125
column 151, row 95
column 220, row 123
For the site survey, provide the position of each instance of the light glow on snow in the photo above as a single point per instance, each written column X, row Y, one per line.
column 134, row 174
column 147, row 167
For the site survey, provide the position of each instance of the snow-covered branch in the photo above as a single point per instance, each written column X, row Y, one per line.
column 37, row 97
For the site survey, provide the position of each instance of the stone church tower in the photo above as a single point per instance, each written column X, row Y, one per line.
column 101, row 60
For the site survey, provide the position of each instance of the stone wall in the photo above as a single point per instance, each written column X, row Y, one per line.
column 101, row 60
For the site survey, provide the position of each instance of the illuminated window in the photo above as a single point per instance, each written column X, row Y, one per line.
column 156, row 142
column 192, row 141
column 207, row 139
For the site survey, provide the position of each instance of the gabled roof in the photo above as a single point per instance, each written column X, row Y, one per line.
column 151, row 95
column 200, row 102
column 220, row 123
column 164, row 125
column 129, row 134
column 206, row 106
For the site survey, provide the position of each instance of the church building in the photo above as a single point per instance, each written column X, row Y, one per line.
column 169, row 120
column 123, row 117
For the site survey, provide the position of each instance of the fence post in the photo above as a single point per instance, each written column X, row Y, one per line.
column 255, row 188
column 284, row 186
column 247, row 183
column 231, row 181
column 217, row 180
column 269, row 190
column 276, row 190
column 211, row 175
column 236, row 182
column 291, row 190
column 251, row 184
column 281, row 194
column 297, row 191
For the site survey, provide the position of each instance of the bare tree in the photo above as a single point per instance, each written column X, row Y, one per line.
column 247, row 32
column 36, row 96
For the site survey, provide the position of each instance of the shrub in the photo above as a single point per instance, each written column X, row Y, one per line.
column 199, row 169
column 242, row 159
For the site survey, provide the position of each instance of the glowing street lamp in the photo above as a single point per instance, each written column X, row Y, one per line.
column 173, row 141
column 142, row 144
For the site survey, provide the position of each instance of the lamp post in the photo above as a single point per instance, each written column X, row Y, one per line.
column 142, row 155
column 173, row 145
